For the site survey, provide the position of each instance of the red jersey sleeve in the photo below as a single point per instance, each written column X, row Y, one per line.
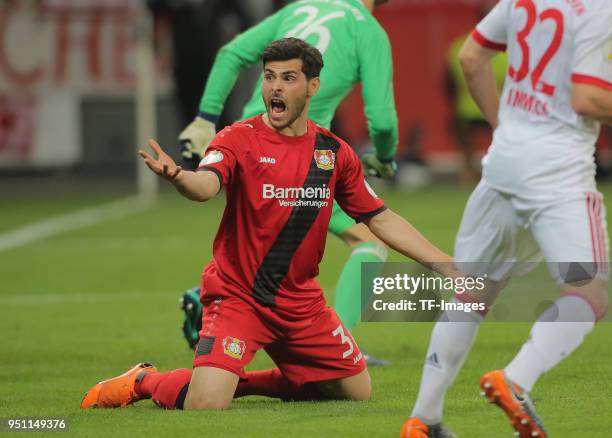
column 353, row 193
column 222, row 156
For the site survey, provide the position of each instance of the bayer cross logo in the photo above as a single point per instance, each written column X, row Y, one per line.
column 325, row 159
column 234, row 347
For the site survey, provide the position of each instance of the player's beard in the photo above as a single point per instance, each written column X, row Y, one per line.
column 293, row 111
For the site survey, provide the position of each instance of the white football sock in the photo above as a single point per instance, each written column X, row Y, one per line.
column 557, row 332
column 449, row 346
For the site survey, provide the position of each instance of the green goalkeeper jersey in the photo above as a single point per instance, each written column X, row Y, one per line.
column 354, row 46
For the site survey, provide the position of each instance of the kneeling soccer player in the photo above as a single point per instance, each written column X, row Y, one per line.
column 281, row 173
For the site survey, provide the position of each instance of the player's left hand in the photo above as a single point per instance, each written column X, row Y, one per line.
column 372, row 166
column 164, row 165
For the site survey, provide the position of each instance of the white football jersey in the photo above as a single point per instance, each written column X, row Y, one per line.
column 541, row 144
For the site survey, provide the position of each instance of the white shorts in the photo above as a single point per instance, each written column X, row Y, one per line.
column 502, row 235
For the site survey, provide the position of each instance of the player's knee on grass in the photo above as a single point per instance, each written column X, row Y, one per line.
column 356, row 388
column 210, row 389
column 358, row 234
column 595, row 292
column 205, row 403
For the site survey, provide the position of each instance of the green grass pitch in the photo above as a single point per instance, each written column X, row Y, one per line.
column 88, row 304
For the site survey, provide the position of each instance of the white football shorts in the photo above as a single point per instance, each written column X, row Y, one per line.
column 503, row 235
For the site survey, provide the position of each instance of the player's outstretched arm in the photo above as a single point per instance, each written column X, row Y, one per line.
column 476, row 65
column 400, row 235
column 593, row 102
column 200, row 186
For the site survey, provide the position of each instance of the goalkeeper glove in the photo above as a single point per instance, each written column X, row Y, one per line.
column 192, row 324
column 195, row 138
column 372, row 166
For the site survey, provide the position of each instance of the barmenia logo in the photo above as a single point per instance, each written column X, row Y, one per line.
column 298, row 196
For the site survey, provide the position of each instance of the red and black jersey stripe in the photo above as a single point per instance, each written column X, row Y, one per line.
column 275, row 265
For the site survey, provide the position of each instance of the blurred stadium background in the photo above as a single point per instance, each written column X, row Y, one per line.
column 91, row 270
column 74, row 72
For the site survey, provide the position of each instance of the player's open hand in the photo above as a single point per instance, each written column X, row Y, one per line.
column 163, row 165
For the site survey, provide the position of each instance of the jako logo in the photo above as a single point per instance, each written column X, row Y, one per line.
column 267, row 160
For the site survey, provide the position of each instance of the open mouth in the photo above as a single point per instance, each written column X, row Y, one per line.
column 277, row 105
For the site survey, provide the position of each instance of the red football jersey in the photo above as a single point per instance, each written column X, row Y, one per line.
column 280, row 191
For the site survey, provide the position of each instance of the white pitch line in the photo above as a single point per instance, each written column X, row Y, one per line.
column 41, row 298
column 72, row 221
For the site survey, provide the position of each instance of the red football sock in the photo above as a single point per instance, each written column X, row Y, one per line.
column 145, row 387
column 164, row 388
column 272, row 383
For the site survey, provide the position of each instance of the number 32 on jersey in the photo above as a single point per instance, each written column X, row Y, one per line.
column 534, row 18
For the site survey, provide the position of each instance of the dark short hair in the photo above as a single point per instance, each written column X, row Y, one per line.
column 286, row 49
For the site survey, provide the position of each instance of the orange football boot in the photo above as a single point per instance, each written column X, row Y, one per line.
column 415, row 428
column 117, row 391
column 515, row 403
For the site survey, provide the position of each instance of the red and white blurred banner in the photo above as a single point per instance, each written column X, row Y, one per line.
column 52, row 54
column 89, row 5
